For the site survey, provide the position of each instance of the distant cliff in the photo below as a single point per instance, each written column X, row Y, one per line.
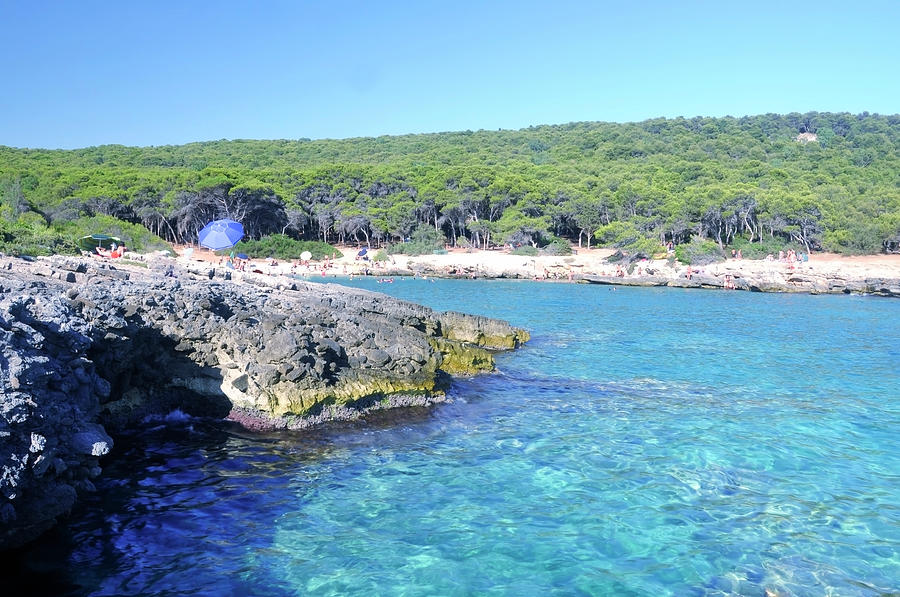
column 86, row 349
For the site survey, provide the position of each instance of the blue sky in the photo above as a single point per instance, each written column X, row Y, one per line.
column 77, row 74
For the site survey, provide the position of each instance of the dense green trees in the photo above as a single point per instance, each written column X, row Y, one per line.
column 815, row 180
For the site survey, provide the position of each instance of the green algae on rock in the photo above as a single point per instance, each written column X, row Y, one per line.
column 492, row 334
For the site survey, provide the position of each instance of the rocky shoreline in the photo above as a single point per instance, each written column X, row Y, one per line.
column 823, row 273
column 824, row 277
column 757, row 276
column 89, row 348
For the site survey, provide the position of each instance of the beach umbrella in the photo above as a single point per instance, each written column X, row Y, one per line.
column 305, row 255
column 243, row 256
column 92, row 241
column 221, row 234
column 361, row 252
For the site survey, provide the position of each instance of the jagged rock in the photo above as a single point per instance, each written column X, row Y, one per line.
column 50, row 395
column 480, row 331
column 82, row 357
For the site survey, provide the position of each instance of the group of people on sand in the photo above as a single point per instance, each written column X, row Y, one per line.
column 323, row 268
column 555, row 275
column 641, row 268
column 791, row 257
column 233, row 262
column 114, row 252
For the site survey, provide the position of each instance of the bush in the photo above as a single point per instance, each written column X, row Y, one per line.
column 627, row 258
column 281, row 246
column 625, row 236
column 558, row 246
column 24, row 241
column 699, row 252
column 616, row 257
column 425, row 240
column 29, row 234
column 862, row 238
column 381, row 256
column 758, row 250
column 526, row 250
column 136, row 237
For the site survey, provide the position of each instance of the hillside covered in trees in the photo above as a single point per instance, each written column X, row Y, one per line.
column 821, row 181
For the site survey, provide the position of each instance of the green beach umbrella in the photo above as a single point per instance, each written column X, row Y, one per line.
column 92, row 241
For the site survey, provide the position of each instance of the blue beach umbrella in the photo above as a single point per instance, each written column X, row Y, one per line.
column 221, row 234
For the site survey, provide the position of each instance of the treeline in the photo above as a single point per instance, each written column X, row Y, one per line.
column 817, row 181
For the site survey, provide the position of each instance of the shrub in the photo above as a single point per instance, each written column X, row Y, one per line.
column 425, row 240
column 281, row 246
column 28, row 234
column 136, row 237
column 558, row 246
column 526, row 250
column 23, row 241
column 757, row 250
column 861, row 238
column 625, row 236
column 699, row 252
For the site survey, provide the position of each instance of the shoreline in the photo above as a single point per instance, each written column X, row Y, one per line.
column 824, row 273
column 91, row 347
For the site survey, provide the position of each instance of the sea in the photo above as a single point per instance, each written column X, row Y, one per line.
column 645, row 441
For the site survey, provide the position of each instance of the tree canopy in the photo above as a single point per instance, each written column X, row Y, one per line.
column 827, row 181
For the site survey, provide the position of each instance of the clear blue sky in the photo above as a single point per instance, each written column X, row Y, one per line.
column 82, row 73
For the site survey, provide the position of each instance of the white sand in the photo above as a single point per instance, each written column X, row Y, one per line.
column 585, row 262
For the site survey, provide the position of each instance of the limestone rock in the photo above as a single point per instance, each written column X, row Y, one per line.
column 87, row 348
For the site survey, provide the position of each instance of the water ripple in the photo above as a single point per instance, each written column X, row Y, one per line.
column 645, row 442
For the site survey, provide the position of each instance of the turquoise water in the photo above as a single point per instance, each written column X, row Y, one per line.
column 645, row 442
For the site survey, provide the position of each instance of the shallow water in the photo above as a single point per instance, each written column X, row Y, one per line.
column 645, row 442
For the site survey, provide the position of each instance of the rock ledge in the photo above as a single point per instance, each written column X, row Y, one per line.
column 87, row 348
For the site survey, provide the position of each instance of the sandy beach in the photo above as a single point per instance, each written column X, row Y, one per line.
column 473, row 263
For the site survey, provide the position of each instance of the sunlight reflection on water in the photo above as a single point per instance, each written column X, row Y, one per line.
column 646, row 442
